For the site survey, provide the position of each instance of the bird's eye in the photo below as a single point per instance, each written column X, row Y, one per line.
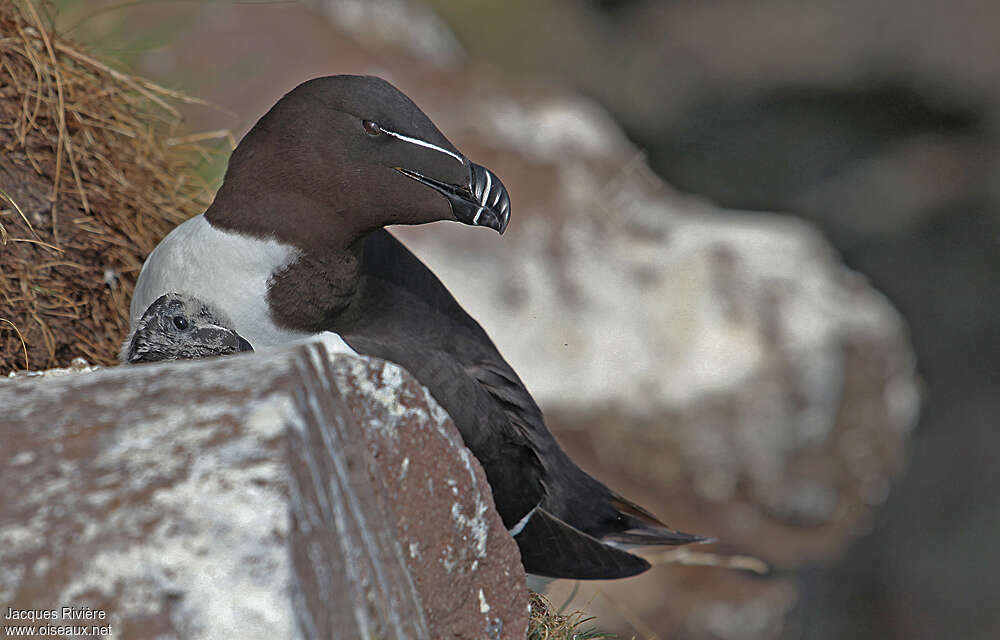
column 180, row 322
column 371, row 127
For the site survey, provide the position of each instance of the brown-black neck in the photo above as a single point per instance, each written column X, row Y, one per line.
column 319, row 284
column 315, row 290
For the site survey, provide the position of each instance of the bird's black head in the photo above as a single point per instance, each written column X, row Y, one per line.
column 340, row 156
column 180, row 327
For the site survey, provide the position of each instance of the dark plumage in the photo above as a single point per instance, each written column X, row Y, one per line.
column 310, row 187
column 179, row 327
column 404, row 314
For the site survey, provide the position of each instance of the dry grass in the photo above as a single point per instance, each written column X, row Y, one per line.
column 546, row 624
column 94, row 170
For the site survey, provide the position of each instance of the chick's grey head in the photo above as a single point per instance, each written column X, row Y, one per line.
column 181, row 327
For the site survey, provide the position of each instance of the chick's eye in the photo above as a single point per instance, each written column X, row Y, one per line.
column 371, row 127
column 180, row 322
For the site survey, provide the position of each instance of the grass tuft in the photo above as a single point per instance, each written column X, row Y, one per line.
column 547, row 624
column 95, row 168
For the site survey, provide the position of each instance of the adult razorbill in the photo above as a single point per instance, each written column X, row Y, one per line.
column 294, row 245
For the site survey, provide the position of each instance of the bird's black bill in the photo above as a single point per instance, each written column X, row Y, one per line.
column 483, row 202
column 219, row 341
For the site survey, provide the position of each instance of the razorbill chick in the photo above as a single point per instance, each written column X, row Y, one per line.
column 180, row 327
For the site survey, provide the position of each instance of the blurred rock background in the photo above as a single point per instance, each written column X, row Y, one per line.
column 878, row 122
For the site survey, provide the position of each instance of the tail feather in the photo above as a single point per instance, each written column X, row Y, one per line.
column 643, row 528
column 649, row 537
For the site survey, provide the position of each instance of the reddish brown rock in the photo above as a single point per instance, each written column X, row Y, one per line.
column 263, row 496
column 464, row 565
